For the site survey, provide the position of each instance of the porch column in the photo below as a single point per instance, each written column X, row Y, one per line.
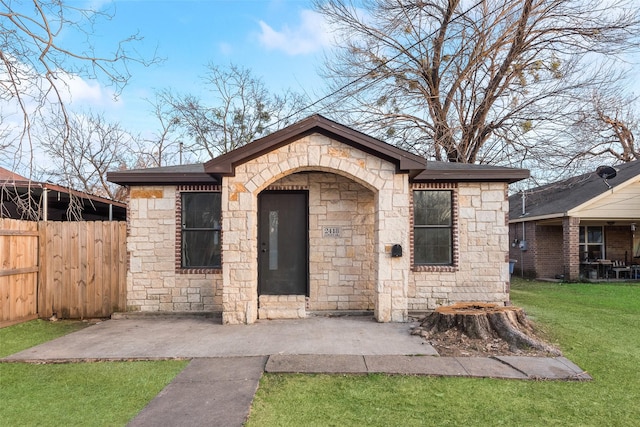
column 571, row 247
column 239, row 259
column 392, row 227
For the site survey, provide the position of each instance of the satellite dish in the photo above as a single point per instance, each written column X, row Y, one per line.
column 606, row 172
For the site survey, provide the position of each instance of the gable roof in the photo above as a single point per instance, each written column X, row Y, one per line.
column 405, row 161
column 418, row 169
column 557, row 199
column 7, row 176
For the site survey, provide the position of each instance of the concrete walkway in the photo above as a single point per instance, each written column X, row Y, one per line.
column 165, row 338
column 218, row 385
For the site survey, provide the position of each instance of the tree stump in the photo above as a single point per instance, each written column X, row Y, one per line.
column 485, row 321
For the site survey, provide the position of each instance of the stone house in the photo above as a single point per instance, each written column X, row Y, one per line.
column 316, row 217
column 584, row 227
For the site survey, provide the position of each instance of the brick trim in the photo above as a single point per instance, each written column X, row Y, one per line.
column 287, row 188
column 178, row 249
column 454, row 226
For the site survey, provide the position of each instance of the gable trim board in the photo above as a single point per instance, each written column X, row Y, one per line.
column 359, row 187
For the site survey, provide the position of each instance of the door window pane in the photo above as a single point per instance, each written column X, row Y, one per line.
column 273, row 240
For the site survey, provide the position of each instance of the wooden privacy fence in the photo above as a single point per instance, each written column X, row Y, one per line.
column 72, row 269
column 19, row 269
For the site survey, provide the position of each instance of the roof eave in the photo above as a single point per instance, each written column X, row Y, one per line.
column 509, row 176
column 32, row 186
column 526, row 218
column 128, row 178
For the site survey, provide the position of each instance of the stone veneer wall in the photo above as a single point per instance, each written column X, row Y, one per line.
column 341, row 268
column 355, row 191
column 153, row 281
column 481, row 270
column 316, row 153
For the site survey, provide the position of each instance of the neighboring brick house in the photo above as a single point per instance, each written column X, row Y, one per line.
column 584, row 227
column 316, row 217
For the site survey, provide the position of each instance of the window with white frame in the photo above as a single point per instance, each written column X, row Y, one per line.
column 200, row 231
column 432, row 227
column 591, row 243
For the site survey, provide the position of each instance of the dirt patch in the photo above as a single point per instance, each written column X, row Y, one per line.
column 455, row 343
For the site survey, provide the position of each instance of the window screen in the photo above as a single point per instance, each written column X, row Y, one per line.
column 432, row 227
column 201, row 230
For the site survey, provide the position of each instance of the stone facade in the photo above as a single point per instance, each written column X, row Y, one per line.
column 480, row 271
column 153, row 281
column 341, row 265
column 316, row 153
column 358, row 195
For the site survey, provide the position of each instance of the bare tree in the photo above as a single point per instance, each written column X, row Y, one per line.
column 164, row 147
column 475, row 82
column 36, row 63
column 607, row 129
column 242, row 109
column 81, row 159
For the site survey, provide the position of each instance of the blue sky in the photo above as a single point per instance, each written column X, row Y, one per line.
column 280, row 41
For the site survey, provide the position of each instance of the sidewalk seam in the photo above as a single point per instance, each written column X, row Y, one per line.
column 504, row 362
column 366, row 366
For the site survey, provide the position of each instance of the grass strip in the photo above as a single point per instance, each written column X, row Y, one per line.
column 80, row 394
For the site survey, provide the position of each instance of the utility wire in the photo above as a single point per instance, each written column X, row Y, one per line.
column 362, row 77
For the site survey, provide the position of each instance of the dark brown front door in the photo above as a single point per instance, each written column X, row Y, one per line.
column 283, row 243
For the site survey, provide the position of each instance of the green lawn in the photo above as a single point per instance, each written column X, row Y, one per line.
column 25, row 335
column 75, row 394
column 596, row 326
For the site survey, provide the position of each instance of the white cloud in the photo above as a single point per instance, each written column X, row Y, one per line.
column 310, row 35
column 86, row 92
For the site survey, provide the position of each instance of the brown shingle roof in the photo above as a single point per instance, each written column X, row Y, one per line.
column 182, row 174
column 447, row 171
column 418, row 168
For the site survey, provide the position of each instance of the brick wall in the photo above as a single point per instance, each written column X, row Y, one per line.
column 547, row 245
column 571, row 247
column 619, row 243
